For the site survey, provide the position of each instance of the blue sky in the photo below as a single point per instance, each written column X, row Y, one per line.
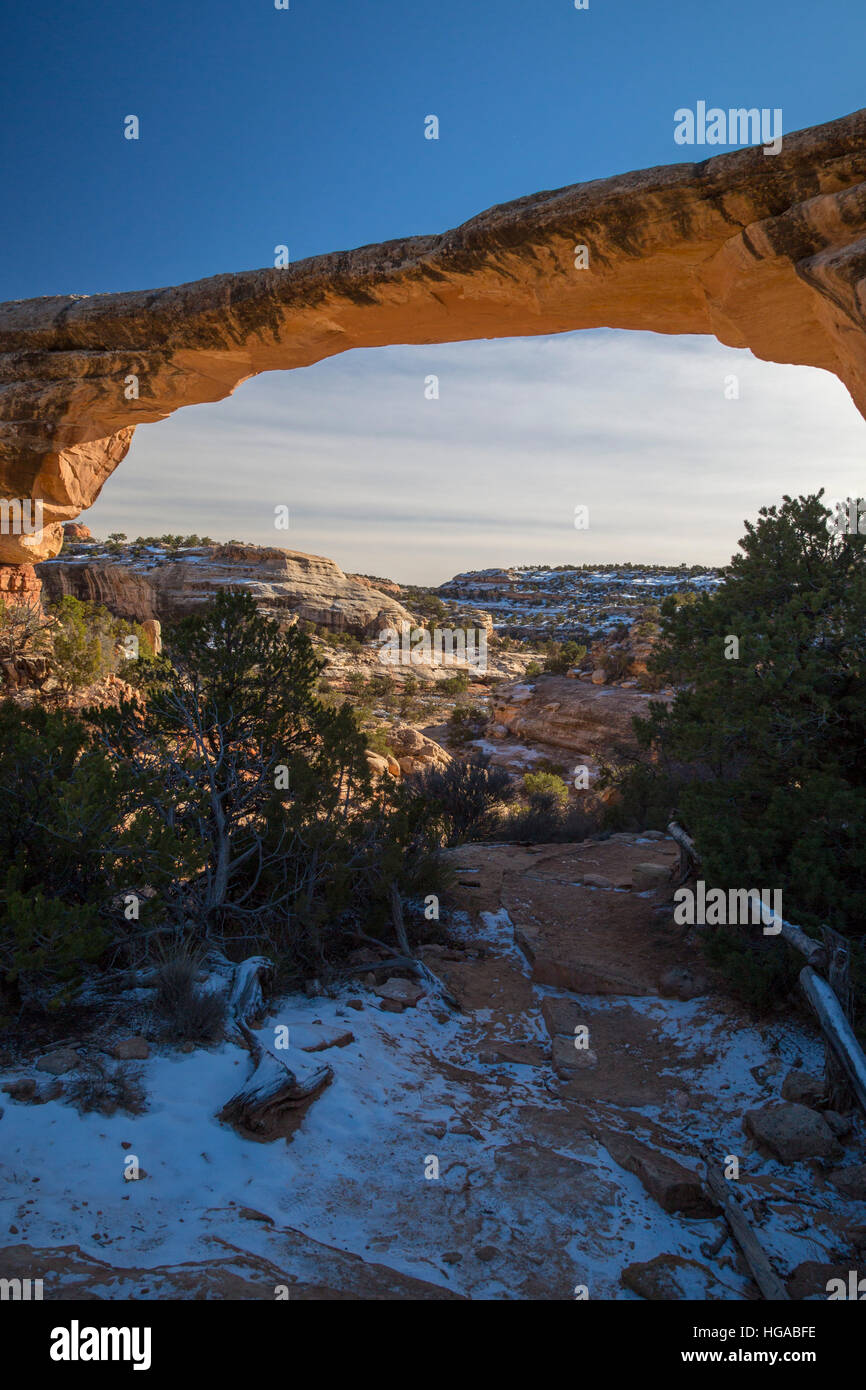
column 305, row 127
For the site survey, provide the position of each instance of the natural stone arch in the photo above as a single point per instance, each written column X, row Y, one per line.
column 764, row 252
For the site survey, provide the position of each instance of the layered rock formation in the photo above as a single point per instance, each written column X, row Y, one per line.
column 581, row 718
column 763, row 252
column 283, row 583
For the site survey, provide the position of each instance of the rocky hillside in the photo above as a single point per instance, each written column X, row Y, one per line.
column 152, row 582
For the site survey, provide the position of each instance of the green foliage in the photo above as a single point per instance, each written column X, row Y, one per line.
column 69, row 843
column 79, row 658
column 457, row 684
column 564, row 656
column 459, row 802
column 546, row 786
column 774, row 738
column 466, row 722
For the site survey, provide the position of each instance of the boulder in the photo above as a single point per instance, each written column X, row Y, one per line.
column 851, row 1181
column 672, row 1278
column 646, row 876
column 22, row 1089
column 59, row 1062
column 567, row 1059
column 804, row 1088
column 675, row 1187
column 682, row 983
column 135, row 1049
column 791, row 1132
column 399, row 991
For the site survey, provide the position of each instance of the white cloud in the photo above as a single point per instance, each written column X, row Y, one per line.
column 633, row 425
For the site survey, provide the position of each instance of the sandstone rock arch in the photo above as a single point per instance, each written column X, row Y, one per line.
column 764, row 252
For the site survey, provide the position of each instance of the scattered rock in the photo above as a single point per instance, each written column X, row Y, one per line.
column 646, row 876
column 791, row 1132
column 317, row 1037
column 437, row 1130
column 596, row 881
column 568, row 1059
column 561, row 1016
column 522, row 1054
column 810, row 1279
column 134, row 1049
column 683, row 983
column 452, row 1257
column 599, row 676
column 851, row 1181
column 23, row 1089
column 391, row 1006
column 405, row 992
column 803, row 1088
column 59, row 1062
column 840, row 1124
column 486, row 1253
column 464, row 1127
column 250, row 1214
column 674, row 1187
column 357, row 1004
column 670, row 1278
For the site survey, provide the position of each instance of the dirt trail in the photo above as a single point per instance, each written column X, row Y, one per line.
column 476, row 1154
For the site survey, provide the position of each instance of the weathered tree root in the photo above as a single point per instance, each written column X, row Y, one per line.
column 283, row 1079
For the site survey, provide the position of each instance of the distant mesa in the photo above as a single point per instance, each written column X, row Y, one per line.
column 767, row 254
column 163, row 584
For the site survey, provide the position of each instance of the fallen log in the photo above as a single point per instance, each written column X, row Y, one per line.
column 837, row 1030
column 756, row 1257
column 283, row 1079
column 814, row 951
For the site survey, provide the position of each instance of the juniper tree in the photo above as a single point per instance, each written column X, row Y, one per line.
column 772, row 725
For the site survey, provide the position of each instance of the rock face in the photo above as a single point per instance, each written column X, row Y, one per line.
column 764, row 253
column 574, row 715
column 283, row 582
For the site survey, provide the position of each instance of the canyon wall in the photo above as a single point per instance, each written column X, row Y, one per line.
column 283, row 583
column 764, row 252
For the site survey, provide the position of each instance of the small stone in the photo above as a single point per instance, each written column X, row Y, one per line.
column 57, row 1063
column 357, row 1004
column 682, row 983
column 464, row 1127
column 840, row 1124
column 391, row 1006
column 568, row 1059
column 596, row 881
column 437, row 1130
column 23, row 1089
column 791, row 1132
column 599, row 676
column 647, row 876
column 134, row 1049
column 405, row 992
column 486, row 1253
column 851, row 1181
column 452, row 1257
column 803, row 1088
column 250, row 1214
